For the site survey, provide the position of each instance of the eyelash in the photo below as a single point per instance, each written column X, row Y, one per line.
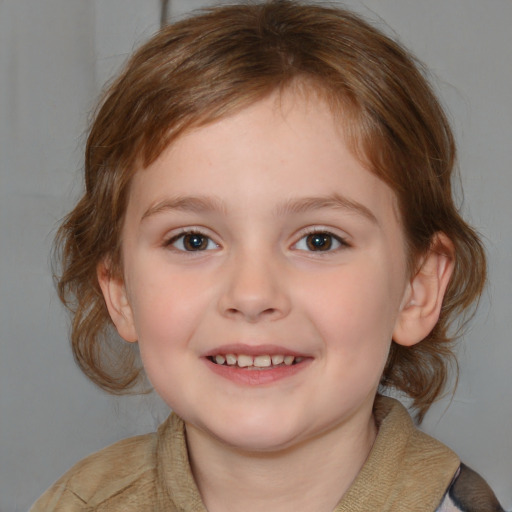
column 183, row 236
column 201, row 239
column 338, row 241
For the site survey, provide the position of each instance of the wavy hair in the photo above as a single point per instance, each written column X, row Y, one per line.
column 221, row 60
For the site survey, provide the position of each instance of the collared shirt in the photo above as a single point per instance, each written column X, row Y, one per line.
column 406, row 471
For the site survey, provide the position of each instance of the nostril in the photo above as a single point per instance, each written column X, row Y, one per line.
column 251, row 315
column 253, row 304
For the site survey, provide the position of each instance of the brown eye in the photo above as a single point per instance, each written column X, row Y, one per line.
column 195, row 242
column 319, row 241
column 192, row 242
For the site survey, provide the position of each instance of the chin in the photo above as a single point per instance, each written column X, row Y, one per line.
column 262, row 441
column 257, row 434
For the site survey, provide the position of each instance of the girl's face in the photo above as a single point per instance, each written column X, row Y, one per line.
column 264, row 275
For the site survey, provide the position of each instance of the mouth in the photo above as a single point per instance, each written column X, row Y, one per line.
column 259, row 362
column 256, row 365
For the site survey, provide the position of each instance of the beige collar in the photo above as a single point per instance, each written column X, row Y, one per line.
column 406, row 469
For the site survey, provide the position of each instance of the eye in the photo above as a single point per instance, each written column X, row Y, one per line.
column 192, row 241
column 320, row 241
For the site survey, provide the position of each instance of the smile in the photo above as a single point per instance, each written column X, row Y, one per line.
column 264, row 361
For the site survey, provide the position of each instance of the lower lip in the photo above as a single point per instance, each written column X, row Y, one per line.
column 257, row 377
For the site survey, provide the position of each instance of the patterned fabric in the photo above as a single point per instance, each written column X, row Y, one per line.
column 469, row 492
column 406, row 471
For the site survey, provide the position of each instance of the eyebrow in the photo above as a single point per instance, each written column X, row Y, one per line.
column 197, row 204
column 202, row 204
column 335, row 201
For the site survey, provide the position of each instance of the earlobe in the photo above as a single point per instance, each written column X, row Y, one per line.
column 116, row 299
column 425, row 292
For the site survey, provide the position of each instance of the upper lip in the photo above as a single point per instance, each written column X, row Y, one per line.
column 252, row 350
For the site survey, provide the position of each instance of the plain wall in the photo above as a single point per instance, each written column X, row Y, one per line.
column 54, row 57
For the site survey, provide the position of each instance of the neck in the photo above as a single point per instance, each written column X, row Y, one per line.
column 311, row 476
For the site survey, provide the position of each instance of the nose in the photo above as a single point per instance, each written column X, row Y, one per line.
column 255, row 290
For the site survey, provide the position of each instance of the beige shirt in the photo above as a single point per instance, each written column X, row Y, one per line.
column 405, row 471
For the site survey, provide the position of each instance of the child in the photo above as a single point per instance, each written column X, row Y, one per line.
column 268, row 214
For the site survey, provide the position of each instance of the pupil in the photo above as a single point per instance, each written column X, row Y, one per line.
column 319, row 242
column 195, row 242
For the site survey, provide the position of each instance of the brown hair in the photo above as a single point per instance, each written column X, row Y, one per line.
column 222, row 59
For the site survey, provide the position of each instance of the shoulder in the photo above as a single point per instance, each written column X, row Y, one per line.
column 419, row 452
column 428, row 472
column 469, row 492
column 122, row 466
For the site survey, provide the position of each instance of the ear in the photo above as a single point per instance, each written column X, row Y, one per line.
column 424, row 295
column 116, row 299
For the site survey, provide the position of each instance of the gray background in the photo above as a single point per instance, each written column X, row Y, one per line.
column 54, row 57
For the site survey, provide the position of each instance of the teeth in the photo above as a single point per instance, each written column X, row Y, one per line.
column 244, row 361
column 288, row 360
column 231, row 359
column 262, row 361
column 277, row 359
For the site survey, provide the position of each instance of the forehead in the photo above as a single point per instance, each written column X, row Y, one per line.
column 286, row 146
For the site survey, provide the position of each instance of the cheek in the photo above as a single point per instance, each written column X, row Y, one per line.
column 166, row 307
column 166, row 320
column 355, row 310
